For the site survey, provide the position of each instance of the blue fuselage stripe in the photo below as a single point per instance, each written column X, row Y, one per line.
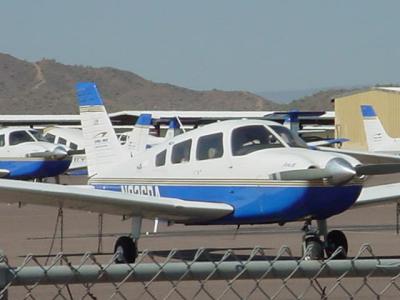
column 28, row 169
column 258, row 204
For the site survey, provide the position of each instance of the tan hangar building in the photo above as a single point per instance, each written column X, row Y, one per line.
column 348, row 118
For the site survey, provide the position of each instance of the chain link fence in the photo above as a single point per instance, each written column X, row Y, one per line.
column 203, row 274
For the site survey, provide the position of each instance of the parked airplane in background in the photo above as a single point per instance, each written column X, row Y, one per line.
column 377, row 138
column 231, row 172
column 137, row 138
column 72, row 138
column 292, row 122
column 26, row 154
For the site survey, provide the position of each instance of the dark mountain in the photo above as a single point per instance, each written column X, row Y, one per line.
column 47, row 87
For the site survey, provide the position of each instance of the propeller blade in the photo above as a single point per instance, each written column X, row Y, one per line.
column 377, row 169
column 337, row 171
column 76, row 152
column 57, row 153
column 305, row 174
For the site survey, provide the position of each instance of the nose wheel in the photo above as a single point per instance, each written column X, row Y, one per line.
column 125, row 250
column 313, row 247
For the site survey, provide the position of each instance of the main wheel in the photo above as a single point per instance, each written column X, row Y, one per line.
column 126, row 250
column 334, row 240
column 313, row 249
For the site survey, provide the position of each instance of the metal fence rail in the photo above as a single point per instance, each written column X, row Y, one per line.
column 203, row 274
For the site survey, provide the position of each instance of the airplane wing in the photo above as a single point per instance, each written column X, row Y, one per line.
column 89, row 199
column 380, row 194
column 364, row 156
column 327, row 142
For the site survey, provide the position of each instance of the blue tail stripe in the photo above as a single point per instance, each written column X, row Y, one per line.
column 88, row 94
column 368, row 111
column 144, row 119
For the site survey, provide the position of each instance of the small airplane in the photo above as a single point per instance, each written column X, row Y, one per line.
column 72, row 139
column 377, row 138
column 230, row 172
column 292, row 122
column 26, row 154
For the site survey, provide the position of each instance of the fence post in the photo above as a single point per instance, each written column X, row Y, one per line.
column 3, row 280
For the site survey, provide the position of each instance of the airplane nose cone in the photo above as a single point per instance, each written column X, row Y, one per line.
column 341, row 171
column 59, row 152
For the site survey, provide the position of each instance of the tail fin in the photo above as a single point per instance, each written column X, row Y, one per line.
column 138, row 138
column 377, row 138
column 101, row 144
column 173, row 129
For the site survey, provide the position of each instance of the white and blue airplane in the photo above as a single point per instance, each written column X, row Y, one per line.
column 377, row 138
column 230, row 172
column 26, row 154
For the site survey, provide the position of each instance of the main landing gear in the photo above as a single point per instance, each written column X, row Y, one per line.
column 314, row 248
column 125, row 249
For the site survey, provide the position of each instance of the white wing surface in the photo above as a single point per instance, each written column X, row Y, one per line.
column 89, row 199
column 380, row 194
column 370, row 157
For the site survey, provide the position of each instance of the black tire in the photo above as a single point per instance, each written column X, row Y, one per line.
column 313, row 249
column 334, row 240
column 126, row 249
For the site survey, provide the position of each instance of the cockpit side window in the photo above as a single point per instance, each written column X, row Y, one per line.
column 2, row 140
column 62, row 141
column 38, row 136
column 50, row 137
column 209, row 147
column 289, row 137
column 73, row 146
column 181, row 152
column 252, row 138
column 19, row 137
column 160, row 158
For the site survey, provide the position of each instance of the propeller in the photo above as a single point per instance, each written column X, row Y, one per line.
column 57, row 153
column 337, row 171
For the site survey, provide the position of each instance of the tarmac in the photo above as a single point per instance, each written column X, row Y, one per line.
column 30, row 229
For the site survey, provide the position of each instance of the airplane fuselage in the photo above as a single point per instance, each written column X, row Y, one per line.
column 242, row 180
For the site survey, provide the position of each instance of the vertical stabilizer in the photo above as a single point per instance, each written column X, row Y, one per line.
column 139, row 137
column 377, row 138
column 173, row 129
column 101, row 144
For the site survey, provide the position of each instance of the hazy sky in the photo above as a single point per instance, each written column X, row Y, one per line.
column 251, row 45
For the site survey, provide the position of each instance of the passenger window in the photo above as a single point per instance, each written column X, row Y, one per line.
column 181, row 152
column 38, row 136
column 160, row 158
column 50, row 137
column 248, row 139
column 62, row 141
column 19, row 137
column 2, row 140
column 73, row 146
column 209, row 147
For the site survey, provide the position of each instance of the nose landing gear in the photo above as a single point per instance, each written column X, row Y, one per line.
column 125, row 249
column 313, row 247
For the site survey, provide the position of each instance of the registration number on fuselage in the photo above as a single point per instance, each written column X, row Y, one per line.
column 144, row 190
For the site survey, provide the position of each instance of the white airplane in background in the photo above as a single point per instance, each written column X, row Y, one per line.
column 26, row 154
column 377, row 138
column 231, row 172
column 138, row 137
column 72, row 138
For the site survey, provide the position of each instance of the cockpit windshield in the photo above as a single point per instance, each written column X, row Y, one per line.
column 252, row 138
column 289, row 137
column 19, row 137
column 38, row 136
